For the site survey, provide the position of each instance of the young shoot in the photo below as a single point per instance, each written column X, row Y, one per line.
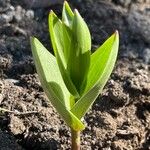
column 73, row 77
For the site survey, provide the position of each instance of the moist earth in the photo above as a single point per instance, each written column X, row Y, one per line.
column 119, row 118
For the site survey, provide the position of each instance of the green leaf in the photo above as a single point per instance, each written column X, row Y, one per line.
column 79, row 60
column 60, row 41
column 67, row 14
column 53, row 84
column 102, row 63
column 67, row 34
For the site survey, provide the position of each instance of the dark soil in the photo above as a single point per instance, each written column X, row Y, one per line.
column 120, row 117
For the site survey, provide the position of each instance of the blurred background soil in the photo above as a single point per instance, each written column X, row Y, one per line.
column 120, row 117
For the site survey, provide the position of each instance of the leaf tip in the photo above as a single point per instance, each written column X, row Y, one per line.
column 51, row 13
column 116, row 34
column 76, row 12
column 65, row 3
column 32, row 38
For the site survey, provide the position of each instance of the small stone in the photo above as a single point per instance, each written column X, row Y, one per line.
column 30, row 14
column 19, row 13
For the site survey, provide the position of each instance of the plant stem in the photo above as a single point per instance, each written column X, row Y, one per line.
column 75, row 139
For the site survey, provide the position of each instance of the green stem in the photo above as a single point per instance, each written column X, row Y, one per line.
column 75, row 139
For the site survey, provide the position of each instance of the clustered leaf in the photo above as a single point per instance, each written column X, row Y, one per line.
column 73, row 78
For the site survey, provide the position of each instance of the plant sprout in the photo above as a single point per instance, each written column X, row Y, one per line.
column 74, row 77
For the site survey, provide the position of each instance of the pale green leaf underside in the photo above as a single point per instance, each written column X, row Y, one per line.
column 60, row 41
column 53, row 83
column 102, row 63
column 79, row 62
column 72, row 49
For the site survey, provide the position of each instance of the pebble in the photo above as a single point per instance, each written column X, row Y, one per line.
column 30, row 14
column 19, row 13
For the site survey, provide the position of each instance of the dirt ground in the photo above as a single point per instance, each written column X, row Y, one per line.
column 120, row 117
